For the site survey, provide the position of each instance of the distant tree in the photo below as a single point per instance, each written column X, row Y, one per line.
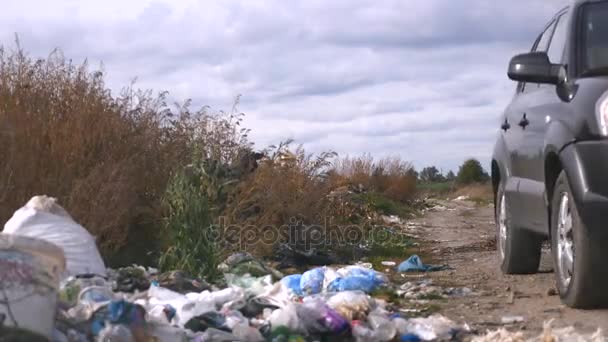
column 471, row 171
column 450, row 177
column 412, row 173
column 431, row 174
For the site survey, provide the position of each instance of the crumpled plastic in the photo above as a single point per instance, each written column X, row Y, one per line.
column 415, row 264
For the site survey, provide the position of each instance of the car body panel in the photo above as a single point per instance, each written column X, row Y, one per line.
column 559, row 119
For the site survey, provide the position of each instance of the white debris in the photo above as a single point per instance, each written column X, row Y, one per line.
column 549, row 335
column 462, row 198
column 392, row 219
column 512, row 319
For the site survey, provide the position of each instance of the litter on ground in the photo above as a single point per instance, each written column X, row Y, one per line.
column 56, row 288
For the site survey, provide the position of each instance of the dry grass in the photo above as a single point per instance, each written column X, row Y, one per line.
column 107, row 159
column 389, row 176
column 480, row 193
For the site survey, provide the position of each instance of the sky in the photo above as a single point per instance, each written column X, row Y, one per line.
column 423, row 80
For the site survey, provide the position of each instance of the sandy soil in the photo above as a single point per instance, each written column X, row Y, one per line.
column 462, row 235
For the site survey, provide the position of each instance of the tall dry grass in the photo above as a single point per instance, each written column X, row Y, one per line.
column 106, row 158
column 115, row 162
column 390, row 176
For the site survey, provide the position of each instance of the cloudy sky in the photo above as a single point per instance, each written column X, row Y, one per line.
column 425, row 80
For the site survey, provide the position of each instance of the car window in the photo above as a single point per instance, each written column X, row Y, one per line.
column 595, row 38
column 558, row 42
column 541, row 44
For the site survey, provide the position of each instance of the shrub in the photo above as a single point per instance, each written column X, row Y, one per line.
column 471, row 171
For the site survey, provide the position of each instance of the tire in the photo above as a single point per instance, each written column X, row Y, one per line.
column 519, row 252
column 586, row 288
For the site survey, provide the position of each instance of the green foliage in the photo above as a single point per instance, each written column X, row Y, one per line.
column 470, row 172
column 189, row 227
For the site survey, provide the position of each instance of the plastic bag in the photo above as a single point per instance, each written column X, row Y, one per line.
column 312, row 281
column 384, row 329
column 115, row 333
column 215, row 335
column 429, row 328
column 330, row 276
column 359, row 271
column 319, row 318
column 44, row 219
column 351, row 304
column 292, row 282
column 252, row 285
column 353, row 278
column 415, row 264
column 287, row 317
column 186, row 306
column 244, row 332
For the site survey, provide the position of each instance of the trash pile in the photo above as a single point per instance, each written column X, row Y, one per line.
column 73, row 297
column 322, row 303
column 55, row 287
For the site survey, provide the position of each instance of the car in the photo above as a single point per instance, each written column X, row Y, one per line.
column 549, row 166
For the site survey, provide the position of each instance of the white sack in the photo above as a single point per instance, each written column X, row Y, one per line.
column 44, row 219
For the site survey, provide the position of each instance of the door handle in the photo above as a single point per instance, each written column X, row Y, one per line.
column 524, row 122
column 505, row 125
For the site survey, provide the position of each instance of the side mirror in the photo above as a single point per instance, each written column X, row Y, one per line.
column 535, row 67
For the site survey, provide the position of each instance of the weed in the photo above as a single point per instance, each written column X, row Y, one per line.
column 190, row 229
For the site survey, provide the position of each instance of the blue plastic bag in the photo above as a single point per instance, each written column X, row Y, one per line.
column 414, row 264
column 357, row 278
column 312, row 281
column 361, row 283
column 292, row 282
column 410, row 338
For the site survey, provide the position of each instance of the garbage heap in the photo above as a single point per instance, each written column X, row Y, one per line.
column 137, row 304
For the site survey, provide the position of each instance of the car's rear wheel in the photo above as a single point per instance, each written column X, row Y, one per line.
column 579, row 262
column 518, row 249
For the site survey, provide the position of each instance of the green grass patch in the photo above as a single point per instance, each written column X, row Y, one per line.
column 436, row 188
column 386, row 206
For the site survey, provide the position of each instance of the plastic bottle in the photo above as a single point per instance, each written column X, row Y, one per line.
column 383, row 328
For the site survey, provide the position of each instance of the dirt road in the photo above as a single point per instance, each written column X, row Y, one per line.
column 461, row 234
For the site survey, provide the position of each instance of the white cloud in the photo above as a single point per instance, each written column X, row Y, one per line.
column 425, row 80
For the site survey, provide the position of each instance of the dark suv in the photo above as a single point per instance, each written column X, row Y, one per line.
column 550, row 163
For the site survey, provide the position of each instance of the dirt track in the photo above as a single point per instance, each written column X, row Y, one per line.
column 462, row 235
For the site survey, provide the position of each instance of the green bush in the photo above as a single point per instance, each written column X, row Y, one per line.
column 470, row 172
column 189, row 227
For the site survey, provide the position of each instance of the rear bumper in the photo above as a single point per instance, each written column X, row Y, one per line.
column 586, row 165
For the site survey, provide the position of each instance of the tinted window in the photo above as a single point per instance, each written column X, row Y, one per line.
column 558, row 42
column 595, row 36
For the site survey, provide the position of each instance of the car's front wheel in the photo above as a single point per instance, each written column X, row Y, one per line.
column 519, row 250
column 579, row 262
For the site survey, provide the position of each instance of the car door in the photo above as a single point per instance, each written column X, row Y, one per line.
column 526, row 136
column 537, row 104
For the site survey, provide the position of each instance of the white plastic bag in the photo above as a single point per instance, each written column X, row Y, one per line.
column 44, row 219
